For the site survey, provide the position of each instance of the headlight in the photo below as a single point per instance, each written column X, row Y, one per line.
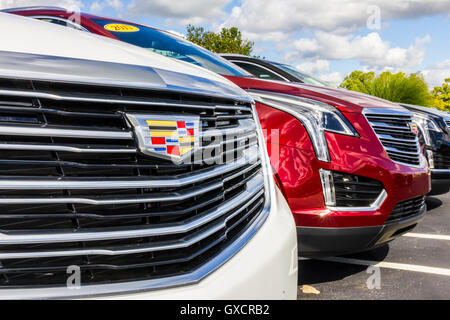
column 426, row 124
column 317, row 117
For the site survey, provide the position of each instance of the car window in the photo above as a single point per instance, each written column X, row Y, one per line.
column 259, row 72
column 170, row 45
column 303, row 77
column 60, row 22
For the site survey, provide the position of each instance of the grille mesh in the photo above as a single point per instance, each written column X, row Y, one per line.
column 408, row 208
column 394, row 131
column 75, row 191
column 355, row 191
column 441, row 160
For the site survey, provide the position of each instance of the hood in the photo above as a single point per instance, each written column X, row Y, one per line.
column 344, row 100
column 44, row 49
column 429, row 111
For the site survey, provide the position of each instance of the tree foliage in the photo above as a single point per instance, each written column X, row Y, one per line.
column 228, row 40
column 398, row 87
column 441, row 96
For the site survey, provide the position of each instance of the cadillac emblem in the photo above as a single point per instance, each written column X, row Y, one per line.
column 166, row 136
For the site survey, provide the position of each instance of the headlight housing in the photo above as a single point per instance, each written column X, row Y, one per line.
column 317, row 117
column 426, row 125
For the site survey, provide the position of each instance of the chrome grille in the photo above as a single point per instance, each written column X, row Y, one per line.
column 448, row 123
column 392, row 128
column 74, row 190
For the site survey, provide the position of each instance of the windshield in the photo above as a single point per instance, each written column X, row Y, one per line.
column 302, row 76
column 171, row 46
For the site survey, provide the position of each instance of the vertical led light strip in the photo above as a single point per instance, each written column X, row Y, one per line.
column 329, row 195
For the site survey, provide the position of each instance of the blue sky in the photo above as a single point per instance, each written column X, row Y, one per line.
column 328, row 38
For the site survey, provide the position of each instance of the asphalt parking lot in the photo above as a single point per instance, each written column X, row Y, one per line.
column 415, row 266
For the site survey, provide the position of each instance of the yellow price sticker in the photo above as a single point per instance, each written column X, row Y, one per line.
column 118, row 27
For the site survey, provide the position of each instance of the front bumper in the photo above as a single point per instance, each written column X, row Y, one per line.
column 322, row 242
column 440, row 182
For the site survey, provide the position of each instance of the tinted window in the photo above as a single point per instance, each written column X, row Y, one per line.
column 173, row 46
column 259, row 72
column 303, row 77
column 59, row 22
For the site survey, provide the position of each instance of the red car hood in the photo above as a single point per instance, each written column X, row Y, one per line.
column 344, row 100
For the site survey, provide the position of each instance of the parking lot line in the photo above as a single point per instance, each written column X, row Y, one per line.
column 391, row 265
column 427, row 236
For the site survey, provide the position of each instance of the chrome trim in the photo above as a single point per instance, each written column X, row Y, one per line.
column 440, row 171
column 390, row 127
column 66, row 133
column 396, row 140
column 126, row 183
column 254, row 186
column 156, row 197
column 245, row 127
column 373, row 207
column 177, row 244
column 31, row 8
column 31, row 147
column 388, row 112
column 31, row 67
column 116, row 200
column 400, row 151
column 58, row 97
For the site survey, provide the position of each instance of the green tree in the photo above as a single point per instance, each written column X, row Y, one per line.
column 398, row 87
column 228, row 40
column 441, row 96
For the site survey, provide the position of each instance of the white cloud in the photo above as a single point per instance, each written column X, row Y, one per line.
column 116, row 4
column 371, row 50
column 96, row 7
column 325, row 15
column 436, row 74
column 73, row 5
column 183, row 12
column 334, row 77
column 314, row 66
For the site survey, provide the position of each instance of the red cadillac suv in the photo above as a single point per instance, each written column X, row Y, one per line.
column 350, row 165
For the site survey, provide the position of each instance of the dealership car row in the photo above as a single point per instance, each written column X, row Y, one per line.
column 148, row 172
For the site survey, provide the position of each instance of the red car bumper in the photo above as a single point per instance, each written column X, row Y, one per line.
column 325, row 231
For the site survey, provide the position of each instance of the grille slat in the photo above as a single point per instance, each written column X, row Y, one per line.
column 394, row 131
column 17, row 183
column 75, row 190
column 121, row 233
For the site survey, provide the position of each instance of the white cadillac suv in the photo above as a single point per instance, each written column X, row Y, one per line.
column 125, row 174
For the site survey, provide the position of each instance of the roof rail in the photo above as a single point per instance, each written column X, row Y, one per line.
column 233, row 54
column 32, row 8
